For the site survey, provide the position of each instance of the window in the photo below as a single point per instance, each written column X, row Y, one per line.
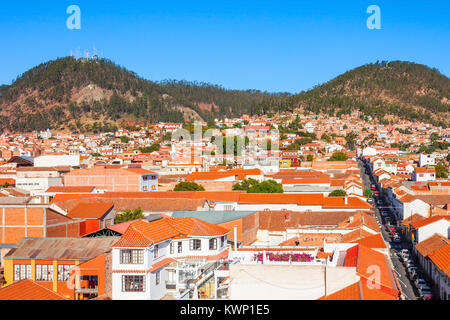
column 223, row 240
column 213, row 244
column 229, row 208
column 158, row 277
column 180, row 247
column 195, row 245
column 156, row 251
column 133, row 283
column 172, row 247
column 44, row 272
column 21, row 272
column 64, row 272
column 132, row 256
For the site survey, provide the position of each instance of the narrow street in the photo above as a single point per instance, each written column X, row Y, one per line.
column 408, row 288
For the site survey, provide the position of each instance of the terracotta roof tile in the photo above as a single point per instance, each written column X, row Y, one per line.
column 93, row 210
column 441, row 259
column 28, row 290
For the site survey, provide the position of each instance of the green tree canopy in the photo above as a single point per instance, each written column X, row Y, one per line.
column 338, row 193
column 441, row 171
column 154, row 147
column 338, row 156
column 188, row 186
column 129, row 215
column 368, row 193
column 254, row 186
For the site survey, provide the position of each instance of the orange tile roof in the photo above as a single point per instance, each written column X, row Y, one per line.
column 431, row 244
column 427, row 221
column 196, row 176
column 374, row 241
column 339, row 202
column 441, row 259
column 90, row 210
column 412, row 219
column 28, row 290
column 280, row 198
column 355, row 236
column 351, row 257
column 144, row 233
column 371, row 264
column 101, row 171
column 67, row 189
column 358, row 291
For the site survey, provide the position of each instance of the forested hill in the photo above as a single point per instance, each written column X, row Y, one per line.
column 96, row 95
column 385, row 91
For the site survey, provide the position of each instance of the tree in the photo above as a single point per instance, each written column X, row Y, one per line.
column 368, row 193
column 254, row 186
column 5, row 185
column 188, row 186
column 351, row 140
column 338, row 193
column 154, row 147
column 124, row 139
column 310, row 158
column 129, row 215
column 338, row 156
column 441, row 171
column 448, row 157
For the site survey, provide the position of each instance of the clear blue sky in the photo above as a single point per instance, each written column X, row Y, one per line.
column 266, row 45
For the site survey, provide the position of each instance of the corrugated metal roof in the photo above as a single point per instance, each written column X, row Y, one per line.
column 61, row 248
column 214, row 217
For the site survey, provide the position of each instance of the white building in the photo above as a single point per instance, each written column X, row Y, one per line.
column 57, row 160
column 426, row 160
column 166, row 256
column 38, row 179
column 424, row 174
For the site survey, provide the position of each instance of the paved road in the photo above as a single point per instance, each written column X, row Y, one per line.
column 407, row 287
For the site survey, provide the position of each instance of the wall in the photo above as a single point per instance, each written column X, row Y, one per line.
column 263, row 282
column 441, row 227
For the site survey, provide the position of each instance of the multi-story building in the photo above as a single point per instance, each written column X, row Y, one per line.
column 127, row 179
column 174, row 256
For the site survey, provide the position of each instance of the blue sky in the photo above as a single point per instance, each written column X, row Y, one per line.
column 266, row 45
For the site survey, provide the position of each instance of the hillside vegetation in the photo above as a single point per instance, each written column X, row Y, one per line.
column 97, row 95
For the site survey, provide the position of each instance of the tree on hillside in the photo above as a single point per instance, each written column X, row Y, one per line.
column 338, row 193
column 129, row 215
column 351, row 140
column 188, row 186
column 441, row 171
column 154, row 147
column 338, row 156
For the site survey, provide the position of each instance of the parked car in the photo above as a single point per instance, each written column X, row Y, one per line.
column 370, row 200
column 410, row 268
column 424, row 288
column 426, row 295
column 397, row 240
column 414, row 275
column 420, row 281
column 404, row 251
column 390, row 228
